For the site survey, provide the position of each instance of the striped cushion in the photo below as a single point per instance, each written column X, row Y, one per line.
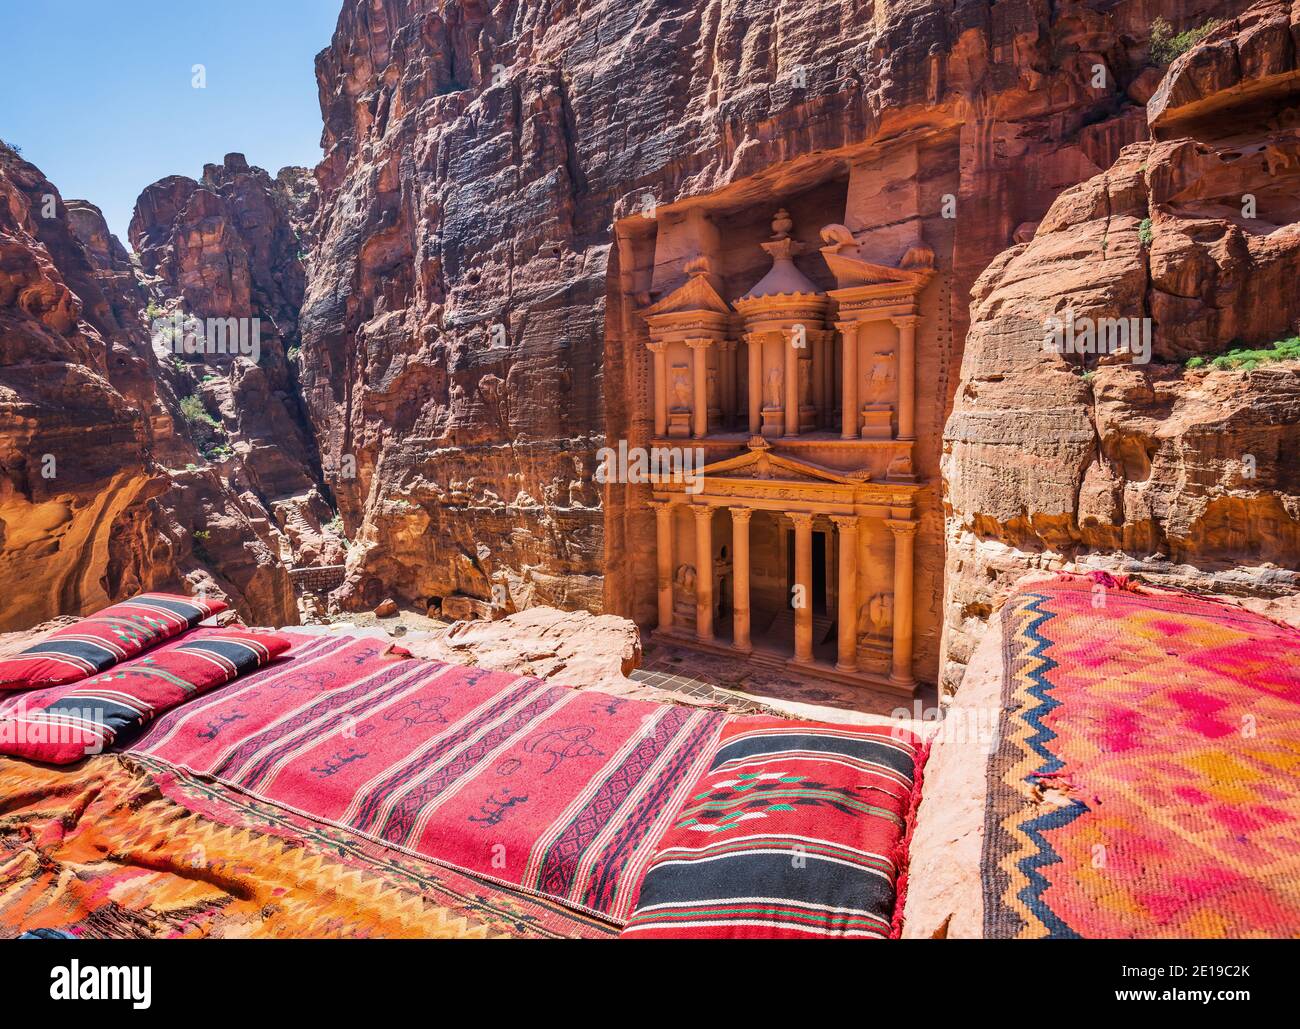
column 101, row 641
column 111, row 707
column 795, row 831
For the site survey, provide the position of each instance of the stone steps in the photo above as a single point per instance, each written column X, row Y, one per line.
column 782, row 627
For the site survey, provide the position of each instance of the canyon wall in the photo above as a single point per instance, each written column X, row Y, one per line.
column 234, row 245
column 470, row 329
column 450, row 306
column 1183, row 468
column 103, row 492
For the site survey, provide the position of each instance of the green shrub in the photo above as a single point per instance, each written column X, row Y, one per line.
column 199, row 546
column 1242, row 359
column 1166, row 47
column 194, row 412
column 1144, row 232
column 208, row 433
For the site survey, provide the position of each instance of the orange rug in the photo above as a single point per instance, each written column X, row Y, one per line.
column 123, row 847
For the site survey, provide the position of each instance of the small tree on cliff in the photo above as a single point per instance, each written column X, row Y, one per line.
column 1167, row 47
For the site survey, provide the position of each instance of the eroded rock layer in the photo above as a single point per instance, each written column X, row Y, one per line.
column 471, row 331
column 104, row 492
column 1184, row 467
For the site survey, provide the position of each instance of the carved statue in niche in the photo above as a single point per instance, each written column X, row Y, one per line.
column 681, row 388
column 876, row 619
column 685, row 579
column 805, row 383
column 713, row 387
column 772, row 392
column 881, row 372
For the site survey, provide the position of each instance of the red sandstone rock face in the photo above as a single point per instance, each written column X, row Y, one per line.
column 90, row 512
column 227, row 247
column 232, row 245
column 478, row 160
column 1190, row 475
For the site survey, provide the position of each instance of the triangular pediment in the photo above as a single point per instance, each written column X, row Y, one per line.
column 697, row 293
column 762, row 463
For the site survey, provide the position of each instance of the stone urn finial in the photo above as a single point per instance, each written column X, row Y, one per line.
column 782, row 224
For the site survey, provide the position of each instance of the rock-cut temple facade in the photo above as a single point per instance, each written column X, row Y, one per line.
column 785, row 379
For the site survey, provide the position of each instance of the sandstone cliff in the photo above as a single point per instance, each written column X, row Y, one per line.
column 470, row 329
column 233, row 246
column 96, row 501
column 1185, row 468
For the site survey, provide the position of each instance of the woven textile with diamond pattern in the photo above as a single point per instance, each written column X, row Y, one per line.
column 1146, row 781
column 556, row 792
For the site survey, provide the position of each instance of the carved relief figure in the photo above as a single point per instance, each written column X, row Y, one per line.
column 772, row 394
column 681, row 388
column 685, row 579
column 805, row 383
column 876, row 618
column 713, row 387
column 900, row 467
column 882, row 369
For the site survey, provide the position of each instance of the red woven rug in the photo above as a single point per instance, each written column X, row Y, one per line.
column 1147, row 778
column 559, row 792
column 125, row 847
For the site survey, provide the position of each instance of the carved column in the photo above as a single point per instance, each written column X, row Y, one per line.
column 864, row 562
column 703, row 572
column 740, row 565
column 803, row 641
column 700, row 387
column 819, row 378
column 906, row 325
column 755, row 344
column 791, row 385
column 664, row 560
column 660, row 350
column 727, row 372
column 850, row 427
column 828, row 384
column 901, row 658
column 847, row 658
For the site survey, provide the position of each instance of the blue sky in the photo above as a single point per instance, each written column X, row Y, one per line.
column 98, row 93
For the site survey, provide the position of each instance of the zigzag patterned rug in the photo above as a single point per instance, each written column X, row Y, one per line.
column 1146, row 782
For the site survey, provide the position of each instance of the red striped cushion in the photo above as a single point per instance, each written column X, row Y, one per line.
column 113, row 706
column 102, row 640
column 795, row 831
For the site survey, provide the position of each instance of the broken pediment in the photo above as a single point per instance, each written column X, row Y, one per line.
column 843, row 255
